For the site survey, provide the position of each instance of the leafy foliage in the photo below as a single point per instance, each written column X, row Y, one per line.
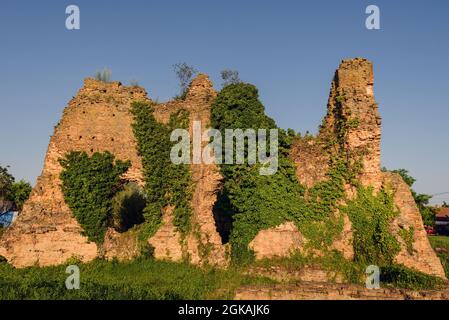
column 20, row 192
column 371, row 216
column 166, row 184
column 6, row 182
column 185, row 73
column 258, row 202
column 230, row 77
column 402, row 277
column 408, row 179
column 89, row 184
column 408, row 236
column 17, row 192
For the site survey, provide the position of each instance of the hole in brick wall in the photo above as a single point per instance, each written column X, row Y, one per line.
column 127, row 207
column 91, row 150
column 81, row 137
column 222, row 212
column 84, row 112
column 112, row 139
column 113, row 114
column 93, row 138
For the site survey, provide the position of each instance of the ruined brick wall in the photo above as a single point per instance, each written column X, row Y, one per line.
column 203, row 244
column 351, row 100
column 97, row 120
column 333, row 291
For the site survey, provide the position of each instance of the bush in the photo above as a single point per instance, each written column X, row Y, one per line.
column 17, row 192
column 402, row 277
column 6, row 182
column 20, row 192
column 88, row 185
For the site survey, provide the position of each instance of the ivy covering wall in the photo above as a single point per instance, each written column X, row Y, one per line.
column 166, row 184
column 259, row 202
column 88, row 185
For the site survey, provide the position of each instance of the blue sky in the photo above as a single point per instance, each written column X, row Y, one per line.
column 289, row 49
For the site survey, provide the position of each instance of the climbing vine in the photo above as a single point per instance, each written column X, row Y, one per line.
column 259, row 202
column 88, row 185
column 371, row 216
column 166, row 184
column 408, row 236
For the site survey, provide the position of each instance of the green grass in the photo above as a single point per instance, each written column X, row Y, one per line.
column 150, row 279
column 442, row 243
column 391, row 275
column 137, row 280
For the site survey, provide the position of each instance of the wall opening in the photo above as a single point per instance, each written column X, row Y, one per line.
column 223, row 213
column 127, row 207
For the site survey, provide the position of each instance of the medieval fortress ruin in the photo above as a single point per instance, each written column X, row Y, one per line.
column 98, row 120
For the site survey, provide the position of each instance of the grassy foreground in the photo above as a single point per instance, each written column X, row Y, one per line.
column 148, row 279
column 441, row 246
column 141, row 279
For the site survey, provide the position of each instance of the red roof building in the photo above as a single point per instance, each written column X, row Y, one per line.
column 442, row 214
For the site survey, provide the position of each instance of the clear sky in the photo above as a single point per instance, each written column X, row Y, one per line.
column 288, row 49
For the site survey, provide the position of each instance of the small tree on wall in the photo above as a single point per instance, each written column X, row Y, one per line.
column 104, row 75
column 230, row 77
column 185, row 74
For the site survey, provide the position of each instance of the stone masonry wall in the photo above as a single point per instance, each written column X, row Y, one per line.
column 203, row 244
column 351, row 100
column 97, row 120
